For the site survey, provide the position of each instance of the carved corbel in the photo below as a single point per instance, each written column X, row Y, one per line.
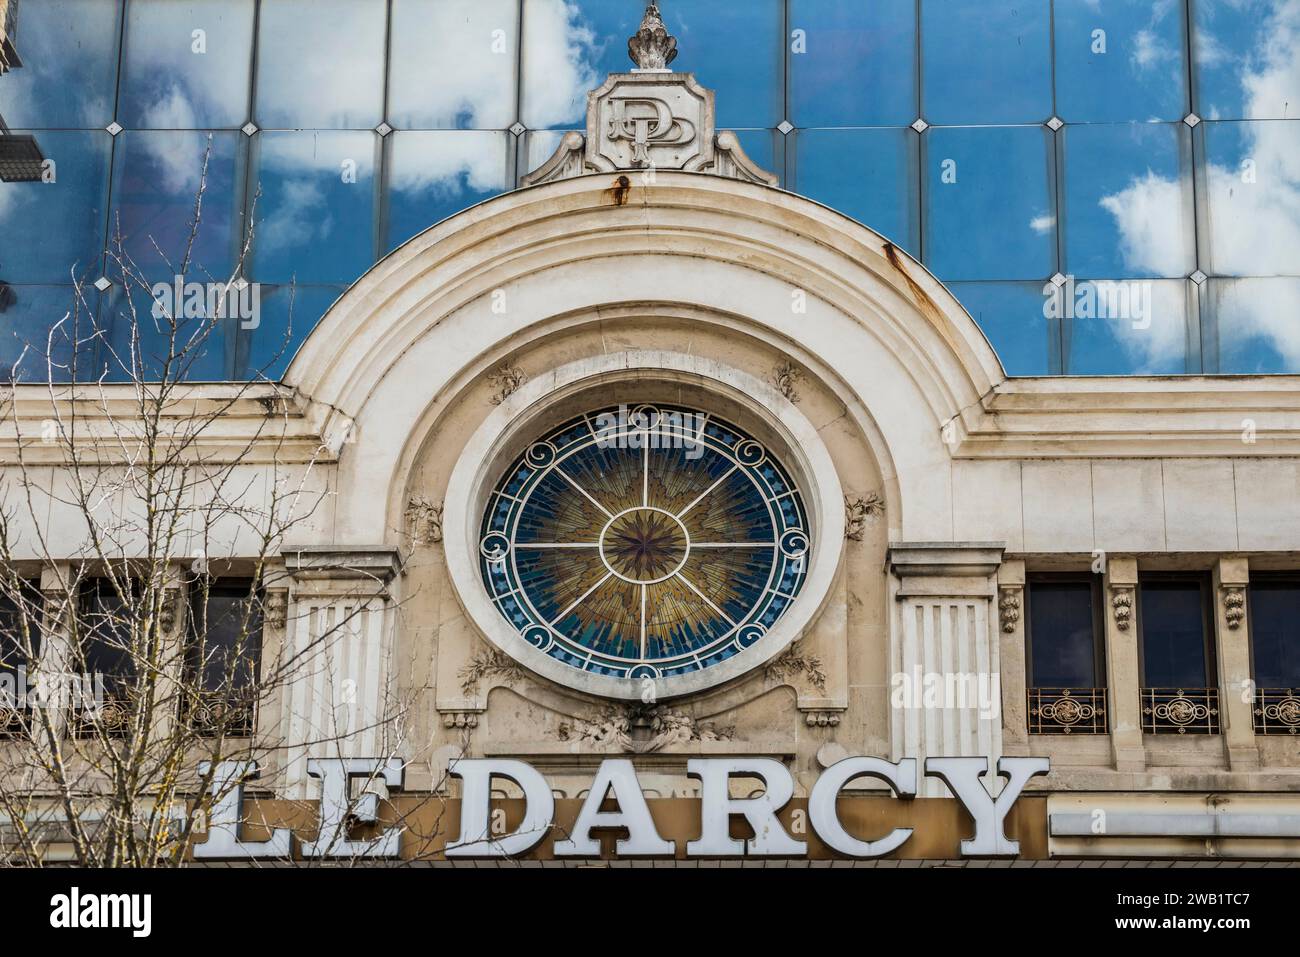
column 1009, row 608
column 1121, row 603
column 1234, row 605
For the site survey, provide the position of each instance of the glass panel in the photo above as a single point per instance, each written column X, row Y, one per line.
column 315, row 217
column 54, row 230
column 453, row 64
column 569, row 46
column 1120, row 60
column 1275, row 633
column 854, row 64
column 173, row 343
column 1253, row 209
column 1125, row 327
column 1173, row 635
column 1128, row 200
column 187, row 64
column 20, row 634
column 989, row 211
column 1061, row 635
column 986, row 62
column 106, row 647
column 761, row 146
column 1012, row 317
column 1256, row 323
column 69, row 73
column 1245, row 54
column 38, row 325
column 433, row 175
column 156, row 180
column 871, row 175
column 320, row 64
column 226, row 637
column 734, row 49
column 288, row 314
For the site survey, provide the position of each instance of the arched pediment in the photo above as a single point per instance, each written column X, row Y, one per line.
column 904, row 357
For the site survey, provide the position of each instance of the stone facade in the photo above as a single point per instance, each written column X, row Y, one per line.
column 934, row 484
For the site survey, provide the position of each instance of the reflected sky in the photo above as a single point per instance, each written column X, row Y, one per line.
column 473, row 41
column 186, row 64
column 989, row 206
column 433, row 175
column 870, row 175
column 73, row 203
column 854, row 64
column 69, row 72
column 320, row 64
column 986, row 62
column 1120, row 60
column 156, row 176
column 1128, row 200
column 1125, row 190
column 315, row 220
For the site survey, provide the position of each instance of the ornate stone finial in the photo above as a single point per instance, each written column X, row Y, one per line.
column 651, row 47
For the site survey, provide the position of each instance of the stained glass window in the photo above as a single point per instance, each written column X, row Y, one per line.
column 644, row 543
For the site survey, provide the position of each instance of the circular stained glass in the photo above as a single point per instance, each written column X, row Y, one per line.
column 644, row 542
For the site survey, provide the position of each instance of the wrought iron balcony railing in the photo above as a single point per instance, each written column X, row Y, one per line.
column 213, row 714
column 1067, row 711
column 1277, row 711
column 1180, row 710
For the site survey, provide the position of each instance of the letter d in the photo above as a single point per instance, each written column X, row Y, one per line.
column 476, row 839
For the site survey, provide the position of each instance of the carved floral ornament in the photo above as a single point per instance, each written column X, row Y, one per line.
column 1009, row 608
column 857, row 509
column 641, row 729
column 1121, row 603
column 1234, row 606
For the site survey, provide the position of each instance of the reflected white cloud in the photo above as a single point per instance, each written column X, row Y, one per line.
column 558, row 63
column 1254, row 210
column 453, row 63
column 436, row 161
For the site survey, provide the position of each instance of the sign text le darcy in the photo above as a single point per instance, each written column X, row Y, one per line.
column 616, row 780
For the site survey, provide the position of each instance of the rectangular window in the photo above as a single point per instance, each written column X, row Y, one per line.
column 105, row 652
column 223, row 657
column 1274, row 622
column 1179, row 695
column 20, row 648
column 1066, row 670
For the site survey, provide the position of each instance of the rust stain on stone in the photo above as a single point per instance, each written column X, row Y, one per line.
column 620, row 190
column 923, row 300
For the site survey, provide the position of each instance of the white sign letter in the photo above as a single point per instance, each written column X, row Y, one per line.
column 962, row 775
column 476, row 839
column 825, row 819
column 643, row 838
column 717, row 806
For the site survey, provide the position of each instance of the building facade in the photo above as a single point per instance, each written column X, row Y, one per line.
column 652, row 460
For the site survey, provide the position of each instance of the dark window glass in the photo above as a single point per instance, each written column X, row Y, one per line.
column 13, row 643
column 1173, row 635
column 1275, row 633
column 105, row 636
column 1062, row 635
column 225, row 645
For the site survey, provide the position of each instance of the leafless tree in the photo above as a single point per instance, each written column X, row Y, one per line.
column 142, row 586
